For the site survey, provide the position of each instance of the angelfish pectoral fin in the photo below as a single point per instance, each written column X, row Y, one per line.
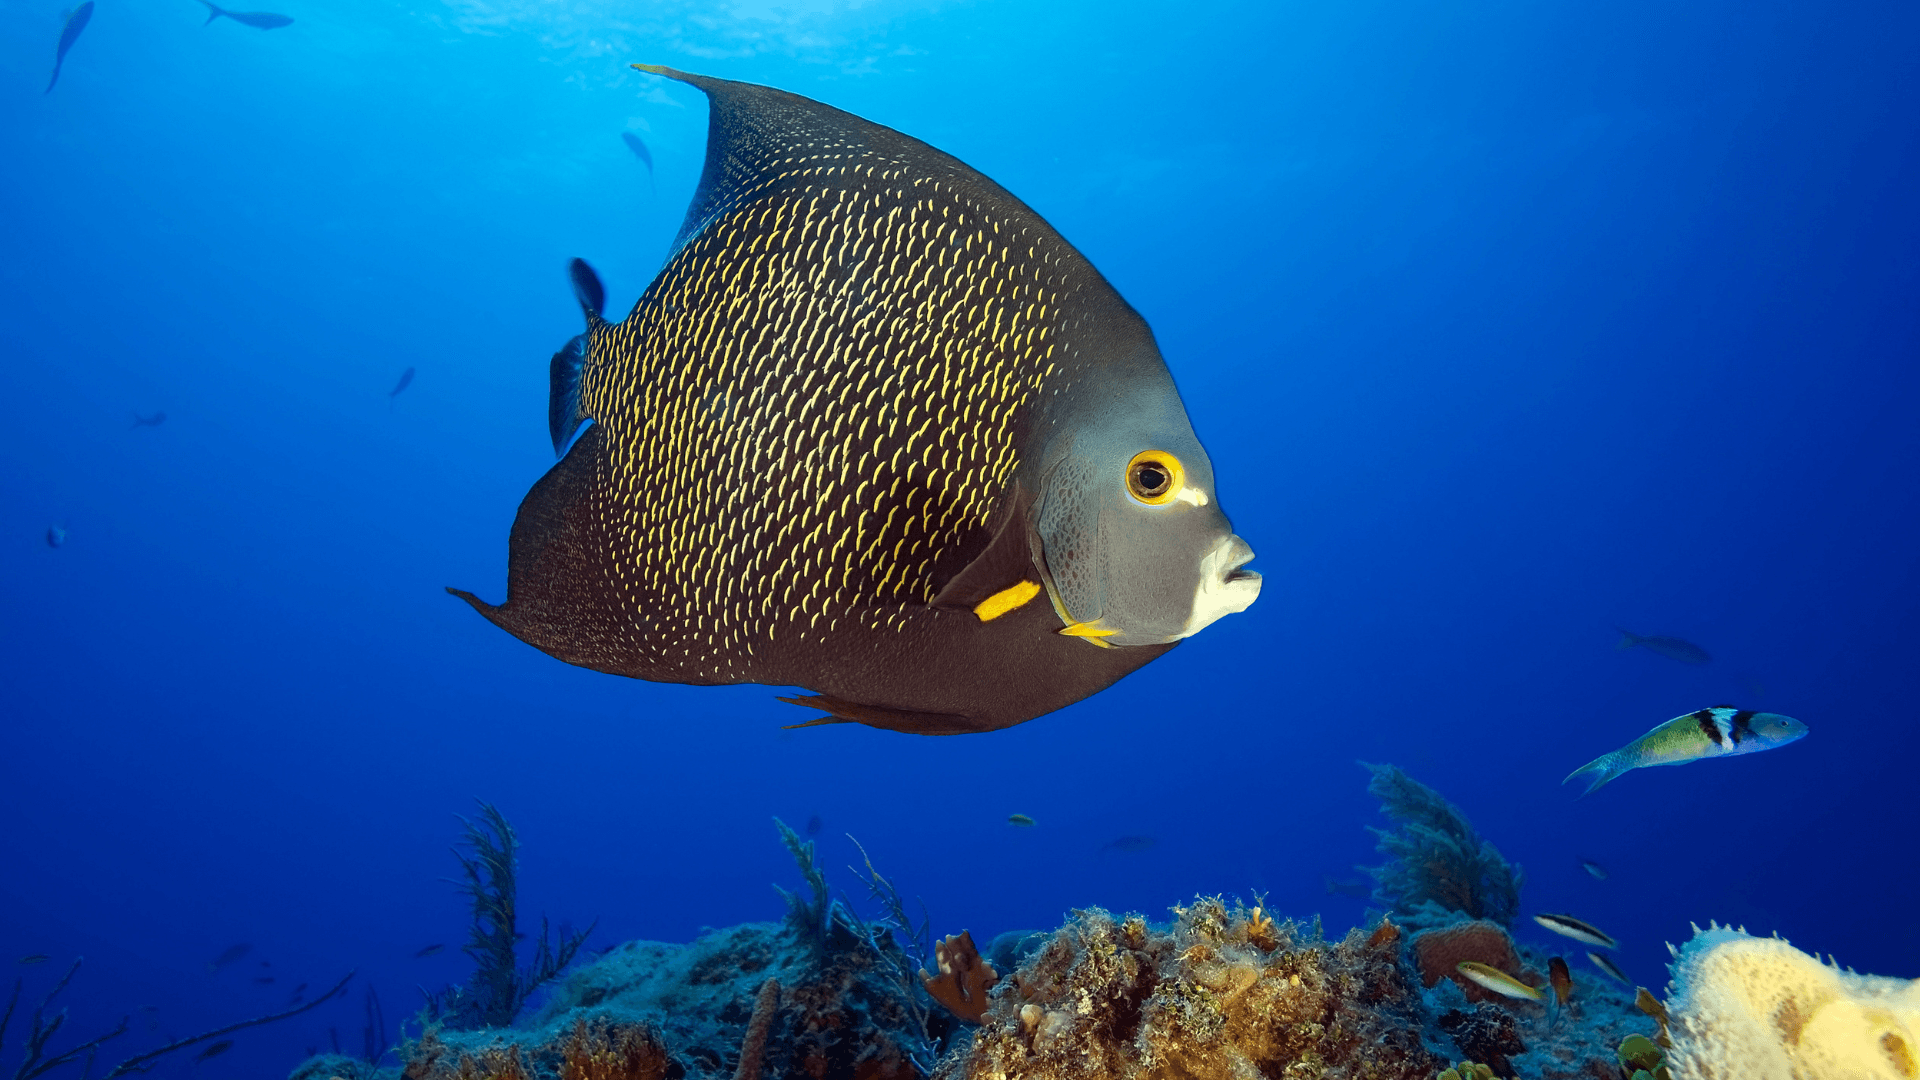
column 1090, row 632
column 563, row 397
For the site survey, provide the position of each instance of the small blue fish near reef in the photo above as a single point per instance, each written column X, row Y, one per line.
column 427, row 951
column 1672, row 648
column 406, row 380
column 875, row 430
column 149, row 421
column 1131, row 845
column 639, row 149
column 1020, row 821
column 228, row 956
column 1594, row 869
column 259, row 20
column 1722, row 731
column 56, row 536
column 69, row 33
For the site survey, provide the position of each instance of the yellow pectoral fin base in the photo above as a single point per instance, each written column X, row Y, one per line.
column 1090, row 632
column 1007, row 599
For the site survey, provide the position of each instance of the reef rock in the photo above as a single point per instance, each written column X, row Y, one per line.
column 1747, row 1008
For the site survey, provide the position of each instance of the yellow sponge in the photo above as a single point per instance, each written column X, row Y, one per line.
column 1747, row 1008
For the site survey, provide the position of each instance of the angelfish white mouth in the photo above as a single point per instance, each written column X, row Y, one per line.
column 1226, row 587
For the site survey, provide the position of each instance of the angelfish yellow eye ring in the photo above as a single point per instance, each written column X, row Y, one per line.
column 1155, row 477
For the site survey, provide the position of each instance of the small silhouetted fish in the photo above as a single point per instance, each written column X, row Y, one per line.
column 215, row 1050
column 1568, row 926
column 299, row 992
column 155, row 420
column 1353, row 887
column 1020, row 821
column 1606, row 964
column 813, row 825
column 406, row 380
column 35, row 958
column 428, row 951
column 70, row 33
column 232, row 953
column 1598, row 872
column 639, row 149
column 1132, row 845
column 264, row 980
column 259, row 20
column 56, row 536
column 1670, row 647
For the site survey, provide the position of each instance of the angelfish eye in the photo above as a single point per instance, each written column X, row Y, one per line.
column 1154, row 477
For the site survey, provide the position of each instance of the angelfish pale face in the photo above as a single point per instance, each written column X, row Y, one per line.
column 1131, row 528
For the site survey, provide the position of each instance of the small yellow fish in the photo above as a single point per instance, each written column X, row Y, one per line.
column 1498, row 981
column 1020, row 820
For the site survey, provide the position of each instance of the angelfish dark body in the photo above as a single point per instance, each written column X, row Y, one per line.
column 860, row 436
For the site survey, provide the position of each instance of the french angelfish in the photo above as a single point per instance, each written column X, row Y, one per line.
column 69, row 33
column 259, row 20
column 1722, row 731
column 875, row 430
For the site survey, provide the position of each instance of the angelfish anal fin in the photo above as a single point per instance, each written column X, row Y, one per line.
column 884, row 716
column 1001, row 566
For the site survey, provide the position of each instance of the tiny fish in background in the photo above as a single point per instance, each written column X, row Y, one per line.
column 1562, row 981
column 428, row 951
column 155, row 420
column 1568, row 926
column 1594, row 869
column 56, row 536
column 813, row 825
column 1497, row 981
column 1606, row 964
column 1132, row 845
column 215, row 1050
column 299, row 994
column 639, row 150
column 264, row 980
column 259, row 20
column 1353, row 887
column 1722, row 731
column 1020, row 821
column 69, row 33
column 1672, row 648
column 35, row 958
column 406, row 380
column 232, row 953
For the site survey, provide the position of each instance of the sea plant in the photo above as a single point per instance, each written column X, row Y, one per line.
column 1435, row 858
column 499, row 988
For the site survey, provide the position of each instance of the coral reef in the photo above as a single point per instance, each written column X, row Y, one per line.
column 1747, row 1008
column 1221, row 992
column 1438, row 953
column 1437, row 864
column 499, row 988
column 964, row 978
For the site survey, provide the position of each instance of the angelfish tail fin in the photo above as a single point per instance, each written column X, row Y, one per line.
column 214, row 11
column 1602, row 769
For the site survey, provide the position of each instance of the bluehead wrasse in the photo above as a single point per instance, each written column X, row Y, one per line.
column 1606, row 964
column 1594, row 869
column 1498, row 981
column 1020, row 821
column 1584, row 933
column 1722, row 731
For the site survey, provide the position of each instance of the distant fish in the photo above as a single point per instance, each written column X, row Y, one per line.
column 1594, row 869
column 1606, row 964
column 428, row 951
column 1020, row 821
column 215, row 1050
column 69, row 33
column 56, row 536
column 1672, row 648
column 1132, row 845
column 264, row 980
column 1722, row 731
column 639, row 150
column 232, row 953
column 1353, row 887
column 299, row 992
column 406, row 377
column 1497, row 981
column 155, row 420
column 813, row 825
column 1584, row 933
column 35, row 958
column 1562, row 980
column 259, row 20
column 266, row 963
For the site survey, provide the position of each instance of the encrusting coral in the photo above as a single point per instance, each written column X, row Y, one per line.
column 964, row 978
column 1747, row 1008
column 1437, row 863
column 1438, row 953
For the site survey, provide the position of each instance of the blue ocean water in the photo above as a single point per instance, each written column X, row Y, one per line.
column 1505, row 325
